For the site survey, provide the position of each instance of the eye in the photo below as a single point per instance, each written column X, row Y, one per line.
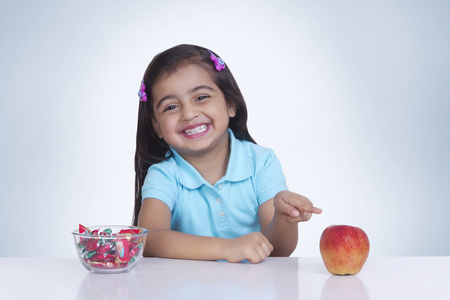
column 170, row 107
column 202, row 97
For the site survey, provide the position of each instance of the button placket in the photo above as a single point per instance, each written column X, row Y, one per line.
column 219, row 200
column 220, row 204
column 221, row 208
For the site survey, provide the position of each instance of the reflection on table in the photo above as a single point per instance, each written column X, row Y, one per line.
column 184, row 279
column 275, row 278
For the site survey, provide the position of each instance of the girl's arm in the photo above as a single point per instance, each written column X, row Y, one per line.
column 279, row 218
column 163, row 242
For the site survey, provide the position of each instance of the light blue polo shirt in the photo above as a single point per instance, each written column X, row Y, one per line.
column 228, row 209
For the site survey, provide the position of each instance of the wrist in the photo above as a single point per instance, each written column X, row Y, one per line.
column 223, row 248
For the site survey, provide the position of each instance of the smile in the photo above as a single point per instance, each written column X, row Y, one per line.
column 196, row 130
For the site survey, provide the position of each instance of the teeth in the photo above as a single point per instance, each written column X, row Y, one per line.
column 195, row 130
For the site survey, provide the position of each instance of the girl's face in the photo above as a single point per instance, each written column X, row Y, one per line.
column 191, row 113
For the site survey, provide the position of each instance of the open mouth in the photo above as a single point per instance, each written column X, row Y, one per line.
column 196, row 130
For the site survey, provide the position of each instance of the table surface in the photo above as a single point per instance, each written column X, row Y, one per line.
column 275, row 278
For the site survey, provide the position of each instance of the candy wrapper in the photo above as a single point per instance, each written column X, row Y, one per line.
column 105, row 248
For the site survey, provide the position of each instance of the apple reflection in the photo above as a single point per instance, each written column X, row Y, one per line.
column 344, row 287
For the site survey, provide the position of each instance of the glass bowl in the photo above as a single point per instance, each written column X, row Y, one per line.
column 110, row 248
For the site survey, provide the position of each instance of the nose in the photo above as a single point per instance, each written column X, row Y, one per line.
column 189, row 112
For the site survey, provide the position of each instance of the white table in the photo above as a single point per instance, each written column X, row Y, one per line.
column 275, row 278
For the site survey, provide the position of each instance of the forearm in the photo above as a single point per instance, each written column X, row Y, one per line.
column 282, row 235
column 174, row 244
column 287, row 211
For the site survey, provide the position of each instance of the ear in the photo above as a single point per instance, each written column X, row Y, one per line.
column 231, row 110
column 156, row 128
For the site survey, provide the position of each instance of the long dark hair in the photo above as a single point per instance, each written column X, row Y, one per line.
column 150, row 149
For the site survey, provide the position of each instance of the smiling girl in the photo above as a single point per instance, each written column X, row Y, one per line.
column 204, row 189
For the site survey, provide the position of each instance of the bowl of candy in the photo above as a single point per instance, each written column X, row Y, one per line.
column 109, row 248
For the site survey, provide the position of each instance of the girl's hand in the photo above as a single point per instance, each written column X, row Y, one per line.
column 293, row 207
column 254, row 247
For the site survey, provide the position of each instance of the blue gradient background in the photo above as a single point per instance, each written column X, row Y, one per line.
column 352, row 95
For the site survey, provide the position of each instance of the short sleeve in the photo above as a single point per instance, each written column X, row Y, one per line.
column 160, row 183
column 269, row 177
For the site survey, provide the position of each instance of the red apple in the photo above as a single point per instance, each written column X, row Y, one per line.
column 344, row 249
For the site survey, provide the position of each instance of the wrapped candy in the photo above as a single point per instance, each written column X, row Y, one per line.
column 130, row 231
column 91, row 245
column 123, row 249
column 103, row 249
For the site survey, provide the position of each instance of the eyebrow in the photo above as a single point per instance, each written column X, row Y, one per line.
column 167, row 97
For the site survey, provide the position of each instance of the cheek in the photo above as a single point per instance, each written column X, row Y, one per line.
column 167, row 124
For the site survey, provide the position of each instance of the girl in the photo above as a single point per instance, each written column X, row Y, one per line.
column 204, row 189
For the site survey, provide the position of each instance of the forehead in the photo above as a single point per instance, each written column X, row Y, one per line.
column 182, row 80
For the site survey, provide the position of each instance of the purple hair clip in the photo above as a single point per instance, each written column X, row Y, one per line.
column 218, row 62
column 141, row 93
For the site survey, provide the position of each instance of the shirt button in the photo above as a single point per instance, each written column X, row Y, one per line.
column 222, row 214
column 218, row 200
column 220, row 187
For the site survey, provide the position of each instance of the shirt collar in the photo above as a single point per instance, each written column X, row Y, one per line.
column 238, row 168
column 189, row 176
